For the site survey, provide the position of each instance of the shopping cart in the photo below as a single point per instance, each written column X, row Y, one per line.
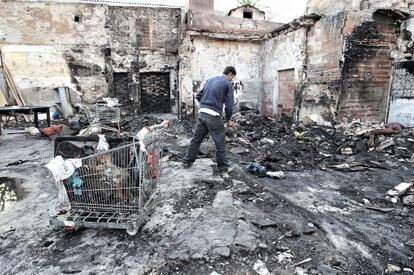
column 115, row 188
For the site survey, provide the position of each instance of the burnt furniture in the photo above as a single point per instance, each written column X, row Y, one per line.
column 27, row 110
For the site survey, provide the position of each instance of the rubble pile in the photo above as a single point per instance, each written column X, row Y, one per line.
column 295, row 147
column 403, row 192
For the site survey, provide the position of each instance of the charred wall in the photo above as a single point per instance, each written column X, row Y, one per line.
column 58, row 32
column 367, row 69
column 144, row 40
column 322, row 84
column 349, row 65
column 95, row 41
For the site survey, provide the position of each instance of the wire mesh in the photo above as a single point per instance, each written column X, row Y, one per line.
column 106, row 115
column 122, row 180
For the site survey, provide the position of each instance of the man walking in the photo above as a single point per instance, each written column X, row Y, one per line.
column 216, row 92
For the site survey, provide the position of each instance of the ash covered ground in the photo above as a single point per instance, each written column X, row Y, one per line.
column 330, row 211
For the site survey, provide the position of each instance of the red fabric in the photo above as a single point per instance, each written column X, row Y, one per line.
column 152, row 161
column 49, row 131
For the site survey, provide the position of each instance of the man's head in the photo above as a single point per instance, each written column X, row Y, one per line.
column 230, row 73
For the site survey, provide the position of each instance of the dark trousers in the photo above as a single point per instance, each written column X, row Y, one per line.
column 208, row 124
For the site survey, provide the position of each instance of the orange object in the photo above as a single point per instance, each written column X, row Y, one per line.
column 49, row 131
column 152, row 160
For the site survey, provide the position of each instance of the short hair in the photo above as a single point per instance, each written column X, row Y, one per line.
column 229, row 69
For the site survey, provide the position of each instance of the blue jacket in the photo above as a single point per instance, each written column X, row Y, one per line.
column 216, row 91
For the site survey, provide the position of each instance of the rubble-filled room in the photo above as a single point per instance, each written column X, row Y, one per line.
column 234, row 137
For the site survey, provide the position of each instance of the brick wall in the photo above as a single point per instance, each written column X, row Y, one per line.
column 155, row 93
column 367, row 70
column 322, row 86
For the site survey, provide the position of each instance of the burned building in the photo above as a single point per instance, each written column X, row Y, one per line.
column 93, row 50
column 338, row 62
column 299, row 198
column 354, row 59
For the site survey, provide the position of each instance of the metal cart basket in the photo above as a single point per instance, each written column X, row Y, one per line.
column 115, row 188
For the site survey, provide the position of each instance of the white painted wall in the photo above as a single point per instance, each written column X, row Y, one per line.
column 402, row 111
column 239, row 13
column 210, row 57
column 36, row 70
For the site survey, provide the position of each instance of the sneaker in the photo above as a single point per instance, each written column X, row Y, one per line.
column 187, row 164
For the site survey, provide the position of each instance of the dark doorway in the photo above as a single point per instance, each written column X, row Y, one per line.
column 121, row 90
column 155, row 93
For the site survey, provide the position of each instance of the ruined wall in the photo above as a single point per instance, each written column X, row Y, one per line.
column 52, row 24
column 210, row 57
column 327, row 7
column 322, row 85
column 212, row 42
column 90, row 71
column 74, row 33
column 284, row 52
column 185, row 78
column 226, row 24
column 55, row 73
column 95, row 41
column 145, row 28
column 349, row 64
column 202, row 58
column 367, row 68
column 144, row 40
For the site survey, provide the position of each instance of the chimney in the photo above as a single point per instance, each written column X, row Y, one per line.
column 200, row 6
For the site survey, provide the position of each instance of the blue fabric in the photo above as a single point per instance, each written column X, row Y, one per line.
column 216, row 91
column 257, row 169
column 77, row 183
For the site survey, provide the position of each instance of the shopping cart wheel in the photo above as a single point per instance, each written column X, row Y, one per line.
column 132, row 230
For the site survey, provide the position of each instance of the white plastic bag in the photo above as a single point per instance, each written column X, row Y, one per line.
column 103, row 145
column 63, row 169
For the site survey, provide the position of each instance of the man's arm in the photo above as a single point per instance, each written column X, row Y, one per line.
column 229, row 101
column 200, row 93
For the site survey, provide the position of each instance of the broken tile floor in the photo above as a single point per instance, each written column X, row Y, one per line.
column 205, row 222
